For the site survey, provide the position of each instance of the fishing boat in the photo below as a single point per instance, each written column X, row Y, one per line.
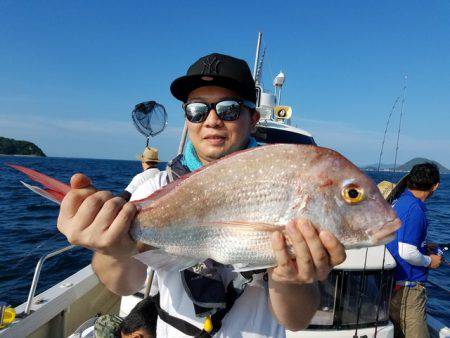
column 354, row 298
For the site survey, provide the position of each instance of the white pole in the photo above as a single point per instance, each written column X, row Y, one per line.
column 183, row 139
column 258, row 48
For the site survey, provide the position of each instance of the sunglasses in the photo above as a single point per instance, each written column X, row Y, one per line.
column 226, row 109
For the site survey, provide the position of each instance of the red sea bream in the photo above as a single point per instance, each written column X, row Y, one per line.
column 228, row 210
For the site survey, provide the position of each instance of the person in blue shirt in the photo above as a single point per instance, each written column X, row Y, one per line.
column 409, row 249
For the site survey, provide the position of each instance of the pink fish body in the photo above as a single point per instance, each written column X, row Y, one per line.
column 228, row 210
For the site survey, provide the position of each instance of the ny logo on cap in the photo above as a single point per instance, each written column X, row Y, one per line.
column 211, row 65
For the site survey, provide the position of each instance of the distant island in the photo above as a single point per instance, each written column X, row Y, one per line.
column 406, row 166
column 9, row 146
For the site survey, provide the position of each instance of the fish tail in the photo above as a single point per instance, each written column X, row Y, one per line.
column 54, row 190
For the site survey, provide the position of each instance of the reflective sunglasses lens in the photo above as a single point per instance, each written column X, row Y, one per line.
column 228, row 110
column 196, row 112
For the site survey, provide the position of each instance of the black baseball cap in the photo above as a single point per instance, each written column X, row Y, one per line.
column 216, row 70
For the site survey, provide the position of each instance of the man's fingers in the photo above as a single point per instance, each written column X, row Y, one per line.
column 335, row 248
column 108, row 212
column 285, row 265
column 80, row 181
column 122, row 222
column 71, row 203
column 305, row 263
column 90, row 208
column 318, row 252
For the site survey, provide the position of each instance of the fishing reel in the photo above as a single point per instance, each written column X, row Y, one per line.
column 441, row 250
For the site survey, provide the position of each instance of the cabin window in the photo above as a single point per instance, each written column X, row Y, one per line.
column 325, row 313
column 349, row 294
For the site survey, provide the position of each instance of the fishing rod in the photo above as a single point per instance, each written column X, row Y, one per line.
column 400, row 120
column 386, row 129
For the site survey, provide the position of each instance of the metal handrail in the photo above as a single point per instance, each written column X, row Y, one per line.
column 37, row 272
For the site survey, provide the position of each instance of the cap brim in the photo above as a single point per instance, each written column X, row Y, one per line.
column 184, row 85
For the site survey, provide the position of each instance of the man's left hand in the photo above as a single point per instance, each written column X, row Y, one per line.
column 316, row 254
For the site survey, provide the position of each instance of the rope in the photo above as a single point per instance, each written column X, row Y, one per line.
column 363, row 275
column 381, row 293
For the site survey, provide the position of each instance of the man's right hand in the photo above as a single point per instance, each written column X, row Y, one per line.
column 96, row 220
column 436, row 261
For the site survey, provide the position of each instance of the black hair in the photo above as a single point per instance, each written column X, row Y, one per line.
column 143, row 316
column 423, row 176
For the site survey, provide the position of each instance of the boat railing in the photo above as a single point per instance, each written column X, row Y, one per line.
column 37, row 272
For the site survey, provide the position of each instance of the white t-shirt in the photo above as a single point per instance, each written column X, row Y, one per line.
column 141, row 178
column 250, row 316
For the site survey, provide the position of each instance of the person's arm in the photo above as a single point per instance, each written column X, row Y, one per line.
column 293, row 292
column 410, row 238
column 121, row 275
column 98, row 221
column 412, row 255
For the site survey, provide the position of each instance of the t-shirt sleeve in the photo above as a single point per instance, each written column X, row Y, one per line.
column 141, row 178
column 413, row 227
column 133, row 184
column 150, row 186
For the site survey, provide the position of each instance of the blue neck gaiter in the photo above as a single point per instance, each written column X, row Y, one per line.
column 190, row 158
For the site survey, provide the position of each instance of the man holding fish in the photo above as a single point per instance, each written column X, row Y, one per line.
column 218, row 95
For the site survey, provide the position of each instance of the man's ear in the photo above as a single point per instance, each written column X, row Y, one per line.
column 434, row 187
column 254, row 117
column 137, row 334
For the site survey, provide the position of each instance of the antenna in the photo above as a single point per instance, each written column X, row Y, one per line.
column 258, row 49
column 259, row 67
column 278, row 84
column 400, row 120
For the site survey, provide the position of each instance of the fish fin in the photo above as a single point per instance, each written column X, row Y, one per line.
column 245, row 267
column 52, row 195
column 53, row 186
column 158, row 259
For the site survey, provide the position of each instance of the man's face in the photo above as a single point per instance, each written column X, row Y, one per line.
column 214, row 138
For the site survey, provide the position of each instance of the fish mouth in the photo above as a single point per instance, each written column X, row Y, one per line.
column 386, row 233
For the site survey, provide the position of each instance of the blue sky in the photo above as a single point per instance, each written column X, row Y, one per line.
column 71, row 72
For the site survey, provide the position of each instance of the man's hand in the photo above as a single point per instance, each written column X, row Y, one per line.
column 435, row 261
column 96, row 220
column 293, row 293
column 316, row 254
column 431, row 248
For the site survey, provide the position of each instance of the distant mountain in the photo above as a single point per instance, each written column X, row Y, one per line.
column 375, row 166
column 407, row 166
column 9, row 146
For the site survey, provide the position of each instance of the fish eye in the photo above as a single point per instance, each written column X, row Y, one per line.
column 352, row 194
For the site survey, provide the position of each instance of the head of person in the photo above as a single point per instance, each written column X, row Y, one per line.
column 424, row 177
column 149, row 158
column 141, row 321
column 218, row 94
